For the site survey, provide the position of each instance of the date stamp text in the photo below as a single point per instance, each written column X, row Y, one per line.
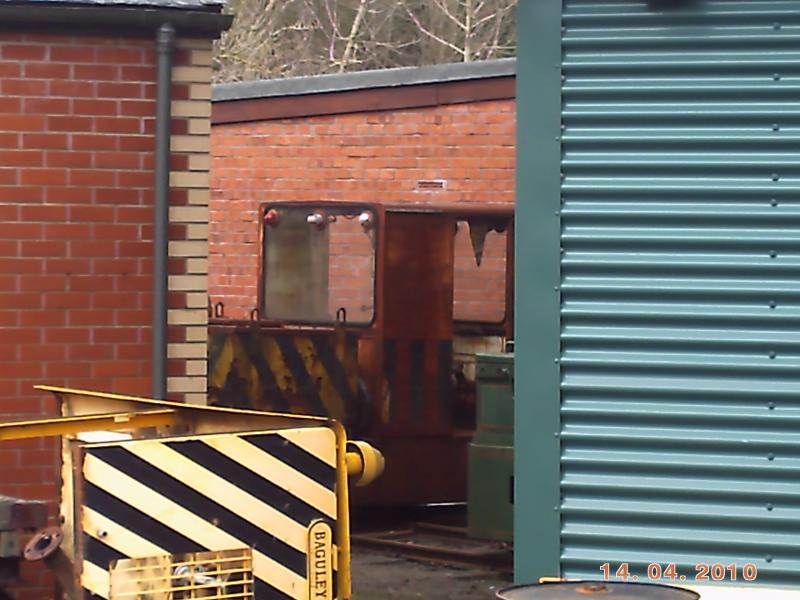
column 670, row 572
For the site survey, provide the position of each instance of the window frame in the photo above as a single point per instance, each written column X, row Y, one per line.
column 321, row 205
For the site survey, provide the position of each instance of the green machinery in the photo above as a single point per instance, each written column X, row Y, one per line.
column 490, row 502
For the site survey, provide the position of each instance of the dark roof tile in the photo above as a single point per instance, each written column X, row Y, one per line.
column 173, row 4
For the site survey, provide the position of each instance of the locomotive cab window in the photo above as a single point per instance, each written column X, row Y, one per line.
column 319, row 264
column 479, row 278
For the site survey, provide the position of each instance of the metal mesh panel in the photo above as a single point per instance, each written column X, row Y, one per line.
column 219, row 575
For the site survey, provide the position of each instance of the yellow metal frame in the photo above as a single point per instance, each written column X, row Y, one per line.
column 86, row 411
column 19, row 430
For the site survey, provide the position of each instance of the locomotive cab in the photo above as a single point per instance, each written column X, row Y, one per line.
column 372, row 314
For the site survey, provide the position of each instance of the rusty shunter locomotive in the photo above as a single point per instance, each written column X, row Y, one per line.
column 372, row 314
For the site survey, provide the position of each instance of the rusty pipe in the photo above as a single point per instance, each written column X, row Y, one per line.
column 46, row 546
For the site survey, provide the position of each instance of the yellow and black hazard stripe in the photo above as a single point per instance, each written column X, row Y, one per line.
column 314, row 373
column 262, row 491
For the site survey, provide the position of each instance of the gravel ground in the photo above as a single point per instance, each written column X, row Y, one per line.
column 382, row 576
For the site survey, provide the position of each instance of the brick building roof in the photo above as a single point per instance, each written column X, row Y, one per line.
column 199, row 18
column 172, row 4
column 382, row 89
column 361, row 80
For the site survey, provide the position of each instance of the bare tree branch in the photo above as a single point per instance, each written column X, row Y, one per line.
column 468, row 30
column 442, row 6
column 430, row 34
column 348, row 49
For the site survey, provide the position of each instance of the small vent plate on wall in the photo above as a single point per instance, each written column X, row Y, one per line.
column 431, row 185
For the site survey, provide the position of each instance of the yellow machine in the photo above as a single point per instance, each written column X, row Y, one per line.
column 168, row 501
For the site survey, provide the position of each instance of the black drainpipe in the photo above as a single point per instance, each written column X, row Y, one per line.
column 165, row 41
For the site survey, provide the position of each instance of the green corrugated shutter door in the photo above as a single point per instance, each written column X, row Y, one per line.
column 680, row 366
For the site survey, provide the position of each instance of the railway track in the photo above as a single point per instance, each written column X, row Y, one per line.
column 438, row 543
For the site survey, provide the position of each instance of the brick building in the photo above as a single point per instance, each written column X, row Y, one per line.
column 429, row 135
column 79, row 181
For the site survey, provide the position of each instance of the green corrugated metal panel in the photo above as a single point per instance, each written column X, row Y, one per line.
column 680, row 286
column 537, row 525
column 680, row 345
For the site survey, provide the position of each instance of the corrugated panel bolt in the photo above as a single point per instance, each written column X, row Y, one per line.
column 776, row 77
column 555, row 289
column 768, row 558
column 773, row 202
column 776, row 26
column 776, row 127
column 771, row 406
column 772, row 304
column 769, row 507
column 555, row 360
column 775, row 177
column 770, row 457
column 556, row 434
column 773, row 254
column 773, row 354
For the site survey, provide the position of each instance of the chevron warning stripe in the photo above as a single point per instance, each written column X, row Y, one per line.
column 220, row 492
column 302, row 372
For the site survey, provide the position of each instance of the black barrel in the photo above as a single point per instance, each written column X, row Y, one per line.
column 595, row 590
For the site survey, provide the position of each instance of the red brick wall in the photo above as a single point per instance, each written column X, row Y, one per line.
column 375, row 157
column 76, row 193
